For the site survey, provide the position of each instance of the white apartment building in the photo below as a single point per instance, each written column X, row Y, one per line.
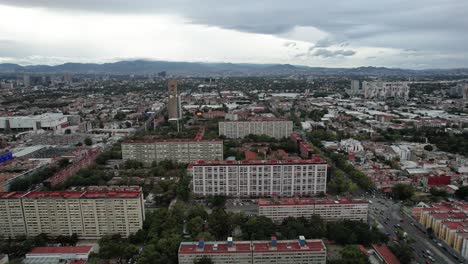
column 384, row 90
column 48, row 121
column 277, row 128
column 259, row 177
column 89, row 214
column 180, row 150
column 403, row 151
column 351, row 145
column 299, row 251
column 328, row 209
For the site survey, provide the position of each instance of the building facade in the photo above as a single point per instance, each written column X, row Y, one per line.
column 180, row 150
column 259, row 177
column 384, row 90
column 277, row 128
column 48, row 121
column 90, row 214
column 173, row 106
column 299, row 251
column 328, row 209
column 449, row 222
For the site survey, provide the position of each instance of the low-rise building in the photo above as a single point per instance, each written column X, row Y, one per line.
column 259, row 177
column 328, row 209
column 299, row 251
column 65, row 255
column 48, row 121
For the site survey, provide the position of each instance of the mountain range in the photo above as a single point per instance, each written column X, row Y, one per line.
column 201, row 68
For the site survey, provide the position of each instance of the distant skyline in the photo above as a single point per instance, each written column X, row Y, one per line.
column 411, row 34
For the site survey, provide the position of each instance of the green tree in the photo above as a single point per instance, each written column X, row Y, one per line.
column 217, row 201
column 120, row 116
column 403, row 252
column 462, row 192
column 428, row 147
column 258, row 228
column 351, row 254
column 195, row 226
column 402, row 191
column 63, row 162
column 88, row 141
column 219, row 223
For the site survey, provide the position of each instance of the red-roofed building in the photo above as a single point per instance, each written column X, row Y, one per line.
column 250, row 155
column 89, row 213
column 449, row 222
column 255, row 252
column 384, row 254
column 63, row 253
column 259, row 177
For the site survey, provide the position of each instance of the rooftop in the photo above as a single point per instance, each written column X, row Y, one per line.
column 118, row 192
column 172, row 140
column 386, row 254
column 314, row 160
column 61, row 250
column 222, row 247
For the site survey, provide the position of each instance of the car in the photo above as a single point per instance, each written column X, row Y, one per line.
column 401, row 220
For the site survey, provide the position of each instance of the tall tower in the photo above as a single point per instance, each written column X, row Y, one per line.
column 26, row 80
column 173, row 103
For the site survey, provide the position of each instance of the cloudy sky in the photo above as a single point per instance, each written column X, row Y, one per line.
column 340, row 33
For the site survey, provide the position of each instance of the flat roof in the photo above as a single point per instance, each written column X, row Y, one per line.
column 386, row 254
column 288, row 246
column 259, row 119
column 314, row 160
column 173, row 140
column 122, row 192
column 221, row 248
column 308, row 201
column 248, row 247
column 60, row 250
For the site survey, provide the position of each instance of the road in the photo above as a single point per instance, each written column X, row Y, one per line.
column 387, row 213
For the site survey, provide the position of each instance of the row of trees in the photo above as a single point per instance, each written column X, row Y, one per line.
column 164, row 229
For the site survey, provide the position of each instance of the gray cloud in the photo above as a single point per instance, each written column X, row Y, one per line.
column 324, row 43
column 332, row 53
column 432, row 26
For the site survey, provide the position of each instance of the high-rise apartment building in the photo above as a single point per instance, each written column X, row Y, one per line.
column 173, row 106
column 299, row 251
column 179, row 150
column 384, row 90
column 277, row 128
column 26, row 80
column 259, row 177
column 90, row 214
column 355, row 88
column 328, row 209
